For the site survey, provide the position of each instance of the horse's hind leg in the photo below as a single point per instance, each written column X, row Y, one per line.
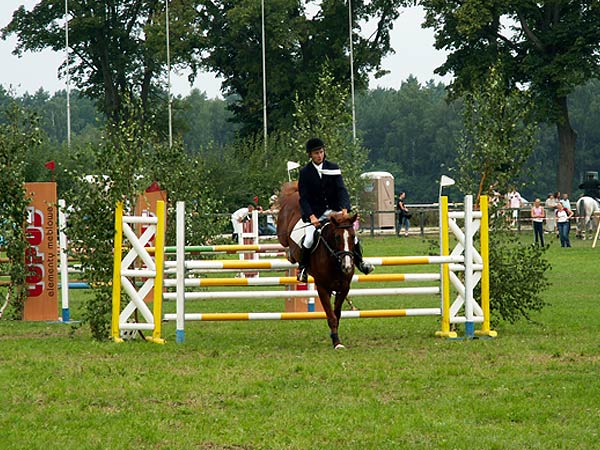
column 332, row 320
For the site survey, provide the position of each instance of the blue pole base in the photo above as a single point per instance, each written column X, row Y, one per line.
column 66, row 315
column 179, row 336
column 469, row 330
column 311, row 306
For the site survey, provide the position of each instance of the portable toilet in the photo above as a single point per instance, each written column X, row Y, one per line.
column 378, row 195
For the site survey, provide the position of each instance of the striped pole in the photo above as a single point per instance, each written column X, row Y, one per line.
column 222, row 248
column 312, row 293
column 284, row 264
column 279, row 281
column 377, row 313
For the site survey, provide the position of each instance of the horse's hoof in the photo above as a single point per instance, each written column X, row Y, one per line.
column 338, row 346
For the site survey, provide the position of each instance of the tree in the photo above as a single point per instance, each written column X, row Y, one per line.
column 128, row 158
column 326, row 115
column 18, row 135
column 411, row 133
column 497, row 140
column 115, row 46
column 498, row 137
column 550, row 47
column 297, row 47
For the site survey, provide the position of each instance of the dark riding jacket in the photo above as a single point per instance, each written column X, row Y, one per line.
column 591, row 188
column 318, row 194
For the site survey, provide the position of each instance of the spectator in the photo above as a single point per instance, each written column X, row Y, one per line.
column 565, row 201
column 537, row 217
column 238, row 218
column 403, row 214
column 550, row 206
column 271, row 228
column 562, row 218
column 515, row 202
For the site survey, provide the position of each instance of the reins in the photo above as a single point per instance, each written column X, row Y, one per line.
column 337, row 254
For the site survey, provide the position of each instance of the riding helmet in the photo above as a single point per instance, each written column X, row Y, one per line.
column 314, row 144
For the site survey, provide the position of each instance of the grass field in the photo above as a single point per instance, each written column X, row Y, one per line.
column 279, row 385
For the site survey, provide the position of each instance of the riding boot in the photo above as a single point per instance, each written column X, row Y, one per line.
column 361, row 264
column 303, row 265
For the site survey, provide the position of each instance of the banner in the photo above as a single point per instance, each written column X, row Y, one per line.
column 42, row 256
column 146, row 206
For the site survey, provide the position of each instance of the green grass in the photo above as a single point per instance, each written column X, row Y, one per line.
column 279, row 385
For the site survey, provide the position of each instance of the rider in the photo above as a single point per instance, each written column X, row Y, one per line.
column 591, row 187
column 322, row 191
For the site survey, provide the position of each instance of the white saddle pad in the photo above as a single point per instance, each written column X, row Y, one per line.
column 298, row 232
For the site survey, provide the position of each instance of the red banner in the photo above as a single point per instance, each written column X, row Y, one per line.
column 146, row 206
column 42, row 256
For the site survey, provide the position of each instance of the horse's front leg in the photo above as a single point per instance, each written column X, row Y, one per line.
column 332, row 320
column 340, row 297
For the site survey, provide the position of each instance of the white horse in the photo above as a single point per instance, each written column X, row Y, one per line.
column 586, row 217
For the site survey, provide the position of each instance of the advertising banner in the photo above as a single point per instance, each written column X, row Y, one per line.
column 146, row 206
column 42, row 256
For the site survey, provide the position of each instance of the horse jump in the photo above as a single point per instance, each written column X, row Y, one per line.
column 463, row 259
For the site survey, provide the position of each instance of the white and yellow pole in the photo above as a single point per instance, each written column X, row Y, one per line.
column 159, row 265
column 116, row 286
column 485, row 273
column 445, row 268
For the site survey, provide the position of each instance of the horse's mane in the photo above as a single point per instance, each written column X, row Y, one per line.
column 288, row 189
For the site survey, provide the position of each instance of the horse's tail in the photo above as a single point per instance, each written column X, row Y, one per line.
column 581, row 214
column 289, row 212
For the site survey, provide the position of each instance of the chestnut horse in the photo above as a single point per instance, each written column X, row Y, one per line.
column 332, row 259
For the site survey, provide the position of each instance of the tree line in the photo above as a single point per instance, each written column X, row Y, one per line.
column 412, row 132
column 118, row 52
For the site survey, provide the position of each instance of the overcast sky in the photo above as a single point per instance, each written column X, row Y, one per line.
column 414, row 54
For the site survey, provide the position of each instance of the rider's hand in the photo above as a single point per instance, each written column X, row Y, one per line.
column 314, row 220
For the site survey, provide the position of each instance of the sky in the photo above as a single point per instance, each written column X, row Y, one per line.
column 414, row 55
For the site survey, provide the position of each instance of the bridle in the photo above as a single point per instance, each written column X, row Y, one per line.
column 337, row 254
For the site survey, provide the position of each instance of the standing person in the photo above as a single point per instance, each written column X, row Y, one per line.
column 537, row 217
column 403, row 214
column 591, row 187
column 515, row 202
column 566, row 204
column 271, row 228
column 238, row 218
column 562, row 218
column 550, row 205
column 565, row 201
column 322, row 191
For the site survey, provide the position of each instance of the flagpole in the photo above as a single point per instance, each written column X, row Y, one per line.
column 264, row 73
column 68, row 76
column 352, row 71
column 170, row 98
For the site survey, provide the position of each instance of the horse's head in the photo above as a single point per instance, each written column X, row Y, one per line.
column 340, row 237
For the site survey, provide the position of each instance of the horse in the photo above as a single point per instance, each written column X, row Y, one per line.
column 332, row 258
column 586, row 218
